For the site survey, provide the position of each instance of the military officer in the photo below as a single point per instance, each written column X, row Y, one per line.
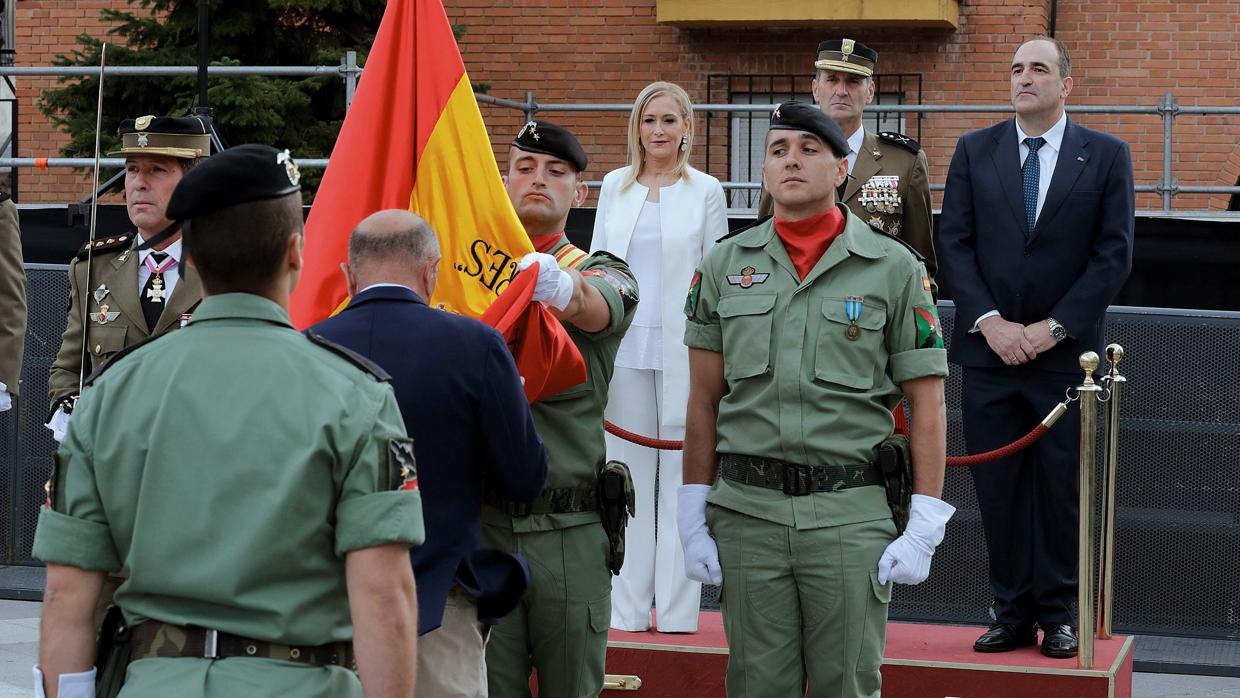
column 133, row 293
column 12, row 303
column 888, row 186
column 804, row 332
column 560, row 627
column 257, row 483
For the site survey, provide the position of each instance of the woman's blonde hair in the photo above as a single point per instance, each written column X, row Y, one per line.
column 637, row 153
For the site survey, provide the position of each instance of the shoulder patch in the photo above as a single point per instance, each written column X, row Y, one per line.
column 349, row 355
column 111, row 360
column 901, row 140
column 751, row 226
column 114, row 242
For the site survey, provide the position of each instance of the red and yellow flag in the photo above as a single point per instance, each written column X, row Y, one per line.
column 414, row 138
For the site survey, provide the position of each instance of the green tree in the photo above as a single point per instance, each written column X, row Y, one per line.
column 302, row 114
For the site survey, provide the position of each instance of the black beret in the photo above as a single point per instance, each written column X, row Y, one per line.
column 547, row 138
column 846, row 55
column 235, row 176
column 185, row 137
column 799, row 116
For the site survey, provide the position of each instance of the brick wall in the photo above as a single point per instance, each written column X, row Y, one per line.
column 1123, row 53
column 43, row 30
column 607, row 50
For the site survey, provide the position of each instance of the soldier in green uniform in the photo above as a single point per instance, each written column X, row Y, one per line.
column 560, row 627
column 804, row 332
column 888, row 186
column 256, row 482
column 133, row 294
column 12, row 303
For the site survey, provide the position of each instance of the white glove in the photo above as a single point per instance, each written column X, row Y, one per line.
column 6, row 400
column 701, row 554
column 907, row 559
column 80, row 685
column 59, row 424
column 555, row 286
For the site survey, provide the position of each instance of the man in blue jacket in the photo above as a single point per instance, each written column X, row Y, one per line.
column 1034, row 241
column 463, row 404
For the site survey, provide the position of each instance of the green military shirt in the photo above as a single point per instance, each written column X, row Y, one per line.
column 571, row 422
column 230, row 466
column 799, row 389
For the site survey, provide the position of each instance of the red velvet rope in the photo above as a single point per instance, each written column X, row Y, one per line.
column 952, row 461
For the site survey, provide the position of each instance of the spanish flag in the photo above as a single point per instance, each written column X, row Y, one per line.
column 414, row 139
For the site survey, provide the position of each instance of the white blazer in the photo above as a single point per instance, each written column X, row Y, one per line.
column 693, row 215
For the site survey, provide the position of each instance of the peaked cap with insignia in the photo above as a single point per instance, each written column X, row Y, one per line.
column 186, row 137
column 847, row 56
column 547, row 138
column 799, row 116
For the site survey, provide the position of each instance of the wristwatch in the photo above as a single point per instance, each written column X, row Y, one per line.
column 1058, row 331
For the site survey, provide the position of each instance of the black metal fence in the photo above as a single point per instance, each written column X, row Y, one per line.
column 1178, row 538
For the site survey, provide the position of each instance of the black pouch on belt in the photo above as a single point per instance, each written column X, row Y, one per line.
column 112, row 653
column 616, row 503
column 897, row 467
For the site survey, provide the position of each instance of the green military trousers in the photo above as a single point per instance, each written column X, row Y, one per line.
column 802, row 605
column 560, row 627
column 187, row 677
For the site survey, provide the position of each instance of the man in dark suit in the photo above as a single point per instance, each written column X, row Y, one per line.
column 464, row 406
column 1034, row 241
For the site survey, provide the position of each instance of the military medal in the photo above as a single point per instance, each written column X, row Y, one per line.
column 852, row 307
column 156, row 293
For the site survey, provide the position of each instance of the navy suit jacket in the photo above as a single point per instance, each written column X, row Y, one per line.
column 1069, row 267
column 463, row 404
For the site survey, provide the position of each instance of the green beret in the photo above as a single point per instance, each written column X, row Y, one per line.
column 798, row 116
column 547, row 138
column 847, row 56
column 186, row 137
column 235, row 176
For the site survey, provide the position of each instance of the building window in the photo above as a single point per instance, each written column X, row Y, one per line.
column 745, row 131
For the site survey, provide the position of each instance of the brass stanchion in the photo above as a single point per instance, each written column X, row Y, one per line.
column 1088, row 393
column 1106, row 562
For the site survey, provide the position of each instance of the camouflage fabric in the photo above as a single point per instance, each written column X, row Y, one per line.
column 795, row 479
column 154, row 639
column 559, row 500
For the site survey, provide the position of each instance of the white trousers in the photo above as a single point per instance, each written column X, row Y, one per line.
column 654, row 564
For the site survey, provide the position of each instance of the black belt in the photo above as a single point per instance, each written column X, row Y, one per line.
column 795, row 479
column 155, row 639
column 559, row 500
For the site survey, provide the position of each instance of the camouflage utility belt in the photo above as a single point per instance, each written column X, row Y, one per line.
column 153, row 639
column 559, row 500
column 795, row 479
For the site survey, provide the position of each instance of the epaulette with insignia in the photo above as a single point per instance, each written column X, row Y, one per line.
column 349, row 355
column 753, row 225
column 111, row 360
column 105, row 244
column 901, row 140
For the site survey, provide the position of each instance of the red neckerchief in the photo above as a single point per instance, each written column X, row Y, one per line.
column 544, row 243
column 807, row 240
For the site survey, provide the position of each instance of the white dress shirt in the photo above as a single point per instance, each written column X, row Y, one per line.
column 1048, row 155
column 171, row 275
column 854, row 146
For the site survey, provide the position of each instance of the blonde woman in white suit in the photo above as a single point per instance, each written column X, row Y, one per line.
column 661, row 216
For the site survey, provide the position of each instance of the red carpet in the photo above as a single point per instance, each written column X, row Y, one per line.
column 921, row 661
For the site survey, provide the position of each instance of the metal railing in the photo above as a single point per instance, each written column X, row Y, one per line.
column 1167, row 187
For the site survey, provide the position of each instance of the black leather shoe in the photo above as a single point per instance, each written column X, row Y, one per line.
column 1059, row 642
column 1005, row 637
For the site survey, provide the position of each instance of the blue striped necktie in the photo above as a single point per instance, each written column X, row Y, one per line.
column 1032, row 171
